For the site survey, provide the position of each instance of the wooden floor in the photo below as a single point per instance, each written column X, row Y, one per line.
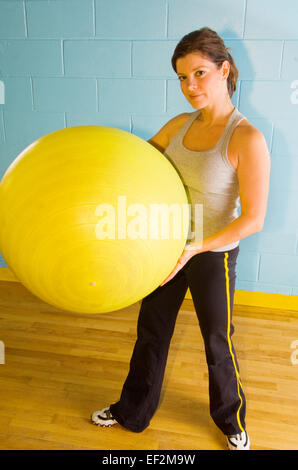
column 59, row 367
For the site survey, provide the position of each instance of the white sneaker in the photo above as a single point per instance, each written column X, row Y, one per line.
column 239, row 441
column 103, row 418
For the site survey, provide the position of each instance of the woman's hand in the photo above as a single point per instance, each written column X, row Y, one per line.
column 188, row 253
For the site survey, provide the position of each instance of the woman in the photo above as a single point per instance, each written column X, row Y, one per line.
column 221, row 158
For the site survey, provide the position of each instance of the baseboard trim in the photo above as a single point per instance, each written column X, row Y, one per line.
column 263, row 299
column 250, row 298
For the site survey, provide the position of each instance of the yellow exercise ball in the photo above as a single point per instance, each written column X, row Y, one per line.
column 83, row 217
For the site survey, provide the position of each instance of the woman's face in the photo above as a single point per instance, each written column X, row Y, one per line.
column 202, row 83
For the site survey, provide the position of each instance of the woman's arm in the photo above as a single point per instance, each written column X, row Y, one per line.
column 253, row 171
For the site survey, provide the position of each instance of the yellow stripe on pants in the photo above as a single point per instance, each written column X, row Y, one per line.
column 229, row 339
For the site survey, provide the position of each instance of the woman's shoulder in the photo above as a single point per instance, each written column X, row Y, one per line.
column 246, row 138
column 175, row 124
column 246, row 128
column 245, row 131
column 162, row 139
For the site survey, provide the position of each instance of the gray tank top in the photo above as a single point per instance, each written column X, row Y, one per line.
column 209, row 179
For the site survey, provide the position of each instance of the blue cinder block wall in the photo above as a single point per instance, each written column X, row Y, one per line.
column 107, row 62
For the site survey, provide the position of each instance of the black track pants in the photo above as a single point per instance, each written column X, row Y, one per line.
column 211, row 280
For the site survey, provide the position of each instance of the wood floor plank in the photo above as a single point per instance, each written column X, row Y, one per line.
column 60, row 367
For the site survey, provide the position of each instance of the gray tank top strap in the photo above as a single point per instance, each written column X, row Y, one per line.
column 235, row 118
column 233, row 122
column 183, row 129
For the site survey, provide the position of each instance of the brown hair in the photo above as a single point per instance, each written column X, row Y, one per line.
column 207, row 41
